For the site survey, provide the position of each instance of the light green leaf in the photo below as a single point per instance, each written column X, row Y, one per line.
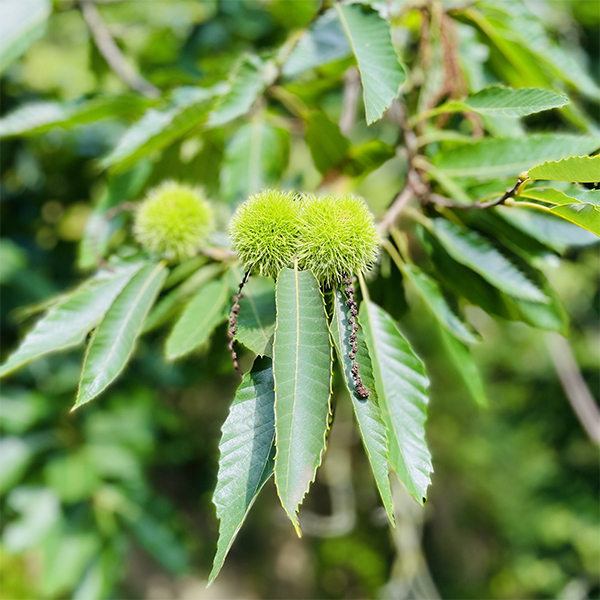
column 578, row 169
column 367, row 157
column 324, row 43
column 493, row 158
column 548, row 195
column 380, row 70
column 199, row 319
column 327, row 145
column 247, row 451
column 67, row 324
column 503, row 102
column 113, row 342
column 247, row 83
column 476, row 252
column 432, row 295
column 302, row 372
column 255, row 159
column 461, row 357
column 582, row 214
column 168, row 306
column 22, row 24
column 256, row 318
column 368, row 414
column 38, row 117
column 160, row 127
column 18, row 452
column 402, row 390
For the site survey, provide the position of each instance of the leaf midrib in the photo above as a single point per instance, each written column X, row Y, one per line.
column 134, row 305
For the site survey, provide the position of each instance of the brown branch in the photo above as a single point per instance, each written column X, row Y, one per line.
column 112, row 53
column 350, row 100
column 233, row 320
column 446, row 202
column 578, row 394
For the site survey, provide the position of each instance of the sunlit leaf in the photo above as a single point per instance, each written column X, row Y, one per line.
column 380, row 71
column 302, row 371
column 68, row 323
column 114, row 340
column 578, row 169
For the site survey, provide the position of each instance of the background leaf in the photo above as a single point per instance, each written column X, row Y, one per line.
column 380, row 71
column 492, row 158
column 327, row 145
column 368, row 414
column 68, row 323
column 255, row 159
column 302, row 372
column 247, row 452
column 113, row 342
column 402, row 390
column 474, row 251
column 199, row 319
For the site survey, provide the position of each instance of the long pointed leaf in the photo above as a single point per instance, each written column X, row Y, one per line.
column 204, row 312
column 368, row 414
column 68, row 323
column 115, row 338
column 380, row 70
column 474, row 251
column 247, row 452
column 402, row 389
column 580, row 169
column 302, row 372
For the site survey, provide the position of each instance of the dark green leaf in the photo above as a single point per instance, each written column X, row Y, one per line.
column 474, row 251
column 402, row 390
column 368, row 414
column 327, row 145
column 302, row 372
column 247, row 452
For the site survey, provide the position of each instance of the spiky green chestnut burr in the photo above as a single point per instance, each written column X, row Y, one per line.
column 338, row 238
column 174, row 221
column 265, row 230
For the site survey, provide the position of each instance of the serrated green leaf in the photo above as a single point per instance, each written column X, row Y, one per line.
column 476, row 252
column 493, row 158
column 465, row 366
column 582, row 214
column 324, row 43
column 22, row 24
column 67, row 324
column 201, row 316
column 380, row 71
column 168, row 306
column 247, row 82
column 578, row 169
column 256, row 318
column 255, row 159
column 160, row 127
column 549, row 229
column 327, row 145
column 402, row 390
column 548, row 195
column 302, row 372
column 39, row 117
column 113, row 342
column 368, row 414
column 247, row 452
column 432, row 295
column 505, row 102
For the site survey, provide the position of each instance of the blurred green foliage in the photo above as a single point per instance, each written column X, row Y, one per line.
column 114, row 501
